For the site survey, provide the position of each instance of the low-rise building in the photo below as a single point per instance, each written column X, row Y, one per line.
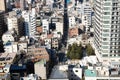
column 72, row 21
column 48, row 42
column 102, row 72
column 11, row 47
column 8, row 36
column 59, row 72
column 23, row 46
column 84, row 40
column 55, row 43
column 14, row 47
column 73, row 32
column 39, row 30
column 66, row 72
column 4, row 76
column 41, row 70
column 30, row 77
column 38, row 54
column 17, row 71
column 7, row 58
column 74, row 72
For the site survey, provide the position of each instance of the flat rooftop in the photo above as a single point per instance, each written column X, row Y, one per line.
column 58, row 72
column 7, row 57
column 90, row 73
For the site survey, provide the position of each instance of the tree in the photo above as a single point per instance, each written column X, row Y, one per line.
column 75, row 51
column 90, row 50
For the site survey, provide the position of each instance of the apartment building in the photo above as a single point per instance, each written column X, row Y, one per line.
column 107, row 30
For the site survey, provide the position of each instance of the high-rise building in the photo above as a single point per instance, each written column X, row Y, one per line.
column 107, row 30
column 15, row 23
column 3, row 27
column 29, row 22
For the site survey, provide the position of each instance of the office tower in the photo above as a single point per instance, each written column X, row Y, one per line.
column 3, row 5
column 107, row 30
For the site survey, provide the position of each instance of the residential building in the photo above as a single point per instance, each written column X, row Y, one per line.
column 73, row 32
column 7, row 58
column 8, row 37
column 45, row 25
column 59, row 72
column 59, row 27
column 25, row 15
column 84, row 11
column 20, row 46
column 107, row 30
column 4, row 76
column 23, row 46
column 38, row 53
column 9, row 5
column 3, row 5
column 3, row 27
column 30, row 77
column 55, row 43
column 15, row 22
column 6, row 69
column 56, row 34
column 12, row 23
column 22, row 4
column 39, row 29
column 48, row 41
column 86, row 15
column 29, row 22
column 74, row 72
column 18, row 70
column 57, row 24
column 66, row 72
column 72, row 21
column 84, row 39
column 102, row 72
column 11, row 47
column 41, row 69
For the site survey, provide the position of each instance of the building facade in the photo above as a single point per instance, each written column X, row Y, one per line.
column 3, row 27
column 3, row 5
column 107, row 30
column 30, row 22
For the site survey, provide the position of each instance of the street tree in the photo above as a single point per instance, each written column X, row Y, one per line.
column 75, row 51
column 90, row 50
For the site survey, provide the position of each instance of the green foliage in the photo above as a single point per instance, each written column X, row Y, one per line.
column 75, row 51
column 90, row 50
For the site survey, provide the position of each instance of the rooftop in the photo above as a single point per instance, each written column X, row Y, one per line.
column 59, row 72
column 90, row 73
column 7, row 57
column 43, row 61
column 38, row 54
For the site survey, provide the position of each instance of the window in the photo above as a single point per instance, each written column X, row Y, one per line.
column 104, row 39
column 106, row 13
column 76, row 70
column 105, row 55
column 5, row 70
